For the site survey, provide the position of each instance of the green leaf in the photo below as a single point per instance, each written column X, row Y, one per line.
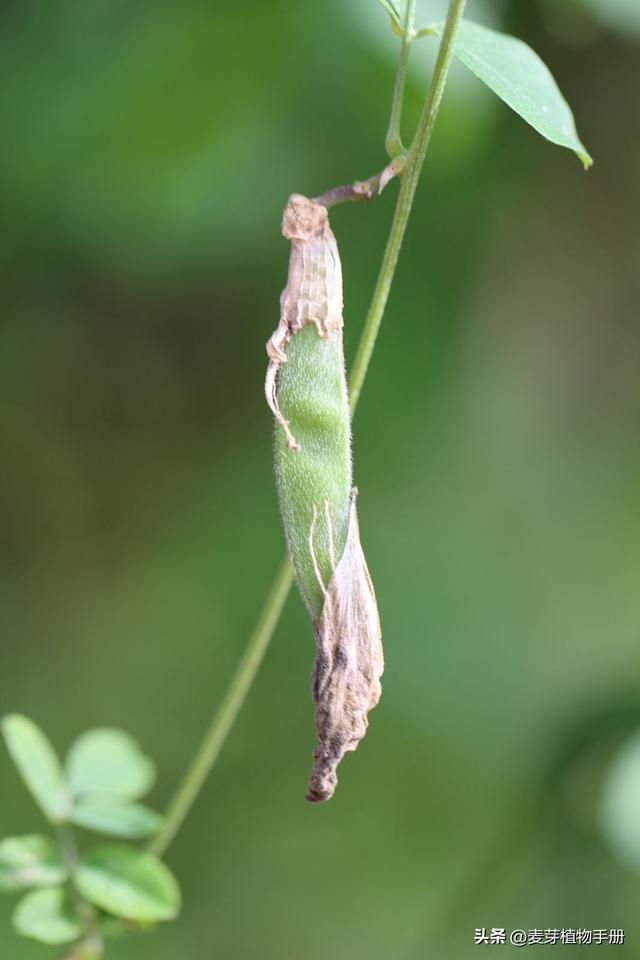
column 128, row 884
column 30, row 861
column 392, row 10
column 116, row 819
column 109, row 761
column 519, row 77
column 37, row 764
column 48, row 916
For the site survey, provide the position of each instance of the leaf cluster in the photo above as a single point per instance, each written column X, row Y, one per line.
column 70, row 897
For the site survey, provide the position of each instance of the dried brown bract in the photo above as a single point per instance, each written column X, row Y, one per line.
column 313, row 293
column 349, row 663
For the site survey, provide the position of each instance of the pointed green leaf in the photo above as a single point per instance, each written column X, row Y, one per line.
column 37, row 764
column 30, row 861
column 128, row 884
column 519, row 77
column 109, row 761
column 47, row 915
column 129, row 820
column 392, row 10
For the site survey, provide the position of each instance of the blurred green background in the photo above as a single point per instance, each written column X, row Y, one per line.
column 148, row 151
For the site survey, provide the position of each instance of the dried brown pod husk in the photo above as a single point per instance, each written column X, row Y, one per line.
column 349, row 663
column 313, row 293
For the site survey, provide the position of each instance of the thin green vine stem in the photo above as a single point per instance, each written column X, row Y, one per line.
column 408, row 185
column 393, row 140
column 224, row 718
column 91, row 939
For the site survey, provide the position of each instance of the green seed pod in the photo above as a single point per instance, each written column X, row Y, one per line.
column 314, row 481
column 306, row 388
column 313, row 448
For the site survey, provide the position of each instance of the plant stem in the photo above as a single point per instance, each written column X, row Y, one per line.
column 425, row 32
column 232, row 702
column 225, row 716
column 92, row 942
column 408, row 185
column 393, row 141
column 362, row 189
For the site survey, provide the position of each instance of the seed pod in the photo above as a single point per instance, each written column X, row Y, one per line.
column 306, row 388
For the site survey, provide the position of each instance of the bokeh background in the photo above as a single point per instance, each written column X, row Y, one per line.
column 148, row 150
